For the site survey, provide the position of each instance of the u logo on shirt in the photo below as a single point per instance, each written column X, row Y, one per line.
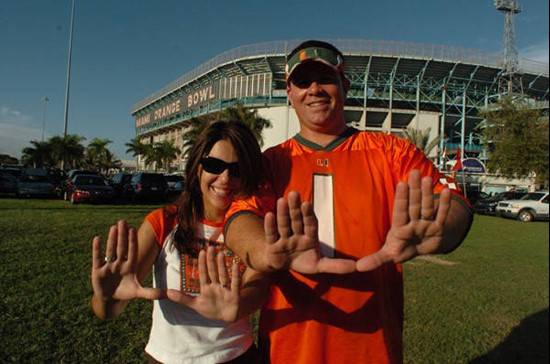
column 322, row 163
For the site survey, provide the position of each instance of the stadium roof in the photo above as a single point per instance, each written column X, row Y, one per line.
column 406, row 59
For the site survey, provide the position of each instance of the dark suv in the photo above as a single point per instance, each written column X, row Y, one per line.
column 121, row 182
column 149, row 186
column 473, row 195
column 488, row 205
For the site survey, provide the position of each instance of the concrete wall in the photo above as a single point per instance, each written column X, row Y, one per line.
column 284, row 124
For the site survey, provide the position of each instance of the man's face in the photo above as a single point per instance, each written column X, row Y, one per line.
column 317, row 94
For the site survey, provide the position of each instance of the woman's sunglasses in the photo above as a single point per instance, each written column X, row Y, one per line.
column 217, row 166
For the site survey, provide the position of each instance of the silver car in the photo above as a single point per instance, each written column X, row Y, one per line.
column 532, row 206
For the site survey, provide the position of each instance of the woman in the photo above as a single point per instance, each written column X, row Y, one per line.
column 208, row 320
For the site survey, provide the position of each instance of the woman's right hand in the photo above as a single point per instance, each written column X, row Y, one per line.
column 114, row 278
column 219, row 298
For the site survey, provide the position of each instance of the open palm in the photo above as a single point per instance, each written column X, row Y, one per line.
column 116, row 276
column 218, row 299
column 417, row 227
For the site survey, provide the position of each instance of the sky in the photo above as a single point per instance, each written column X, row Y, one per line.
column 125, row 50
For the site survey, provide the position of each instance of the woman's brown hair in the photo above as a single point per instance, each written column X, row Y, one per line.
column 190, row 206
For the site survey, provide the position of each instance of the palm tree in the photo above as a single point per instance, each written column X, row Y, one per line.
column 137, row 148
column 239, row 113
column 249, row 117
column 67, row 150
column 97, row 152
column 194, row 127
column 152, row 156
column 39, row 155
column 420, row 138
column 111, row 161
column 166, row 153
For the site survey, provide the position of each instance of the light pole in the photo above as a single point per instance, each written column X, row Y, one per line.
column 45, row 99
column 63, row 160
column 68, row 73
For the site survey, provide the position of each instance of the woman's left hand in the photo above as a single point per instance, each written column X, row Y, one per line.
column 219, row 298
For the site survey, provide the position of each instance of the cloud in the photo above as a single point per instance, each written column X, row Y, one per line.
column 16, row 131
column 8, row 116
column 535, row 52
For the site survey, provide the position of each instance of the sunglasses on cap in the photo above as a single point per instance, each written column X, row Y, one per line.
column 217, row 166
column 323, row 55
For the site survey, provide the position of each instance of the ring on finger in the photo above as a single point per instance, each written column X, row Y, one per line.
column 110, row 259
column 428, row 218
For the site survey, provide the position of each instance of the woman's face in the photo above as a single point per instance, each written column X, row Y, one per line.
column 218, row 189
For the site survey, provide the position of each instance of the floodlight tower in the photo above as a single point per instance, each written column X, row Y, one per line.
column 510, row 81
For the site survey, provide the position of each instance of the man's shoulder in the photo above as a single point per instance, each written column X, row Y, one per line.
column 288, row 146
column 371, row 139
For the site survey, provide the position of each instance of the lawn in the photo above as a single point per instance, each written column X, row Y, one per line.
column 487, row 302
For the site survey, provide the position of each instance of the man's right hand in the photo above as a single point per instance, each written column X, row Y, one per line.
column 293, row 242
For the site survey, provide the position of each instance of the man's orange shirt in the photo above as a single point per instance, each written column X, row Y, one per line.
column 328, row 318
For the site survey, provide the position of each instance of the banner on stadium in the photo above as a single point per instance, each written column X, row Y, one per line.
column 180, row 104
column 236, row 87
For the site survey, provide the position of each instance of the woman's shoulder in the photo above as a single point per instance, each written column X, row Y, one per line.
column 166, row 213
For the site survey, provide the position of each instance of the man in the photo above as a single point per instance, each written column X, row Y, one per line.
column 378, row 201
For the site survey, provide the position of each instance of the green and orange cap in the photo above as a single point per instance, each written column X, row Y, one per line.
column 317, row 52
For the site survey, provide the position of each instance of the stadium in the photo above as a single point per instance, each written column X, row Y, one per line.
column 394, row 85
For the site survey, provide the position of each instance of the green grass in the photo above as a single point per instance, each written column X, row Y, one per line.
column 487, row 302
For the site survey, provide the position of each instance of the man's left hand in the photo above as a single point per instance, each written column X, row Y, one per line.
column 417, row 225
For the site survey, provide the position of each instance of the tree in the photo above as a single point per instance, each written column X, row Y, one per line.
column 8, row 159
column 67, row 150
column 516, row 138
column 194, row 127
column 97, row 153
column 249, row 117
column 166, row 152
column 38, row 156
column 421, row 138
column 153, row 155
column 111, row 161
column 137, row 148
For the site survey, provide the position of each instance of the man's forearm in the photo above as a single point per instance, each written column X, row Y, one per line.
column 245, row 236
column 456, row 227
column 254, row 292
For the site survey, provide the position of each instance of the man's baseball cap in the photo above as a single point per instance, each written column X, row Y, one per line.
column 315, row 53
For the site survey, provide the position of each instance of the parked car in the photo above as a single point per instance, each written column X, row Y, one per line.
column 8, row 183
column 67, row 184
column 121, row 182
column 532, row 206
column 57, row 176
column 14, row 169
column 149, row 186
column 90, row 188
column 488, row 205
column 175, row 183
column 34, row 185
column 474, row 195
